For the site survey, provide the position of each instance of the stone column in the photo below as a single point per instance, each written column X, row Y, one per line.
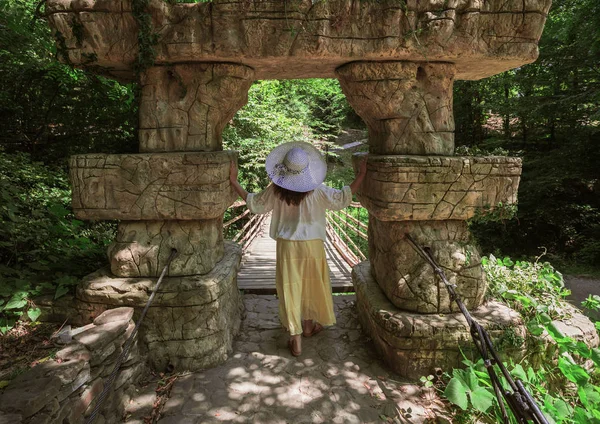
column 415, row 186
column 408, row 109
column 171, row 195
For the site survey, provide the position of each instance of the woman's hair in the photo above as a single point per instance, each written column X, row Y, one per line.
column 288, row 196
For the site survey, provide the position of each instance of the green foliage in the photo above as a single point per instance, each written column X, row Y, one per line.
column 51, row 110
column 469, row 387
column 530, row 288
column 278, row 112
column 592, row 302
column 548, row 113
column 565, row 391
column 147, row 38
column 43, row 248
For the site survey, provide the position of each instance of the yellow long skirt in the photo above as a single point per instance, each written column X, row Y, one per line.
column 303, row 284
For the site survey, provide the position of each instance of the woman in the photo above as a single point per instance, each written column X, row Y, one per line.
column 299, row 199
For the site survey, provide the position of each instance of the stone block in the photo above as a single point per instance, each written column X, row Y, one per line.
column 128, row 375
column 426, row 188
column 67, row 372
column 26, row 399
column 413, row 344
column 408, row 281
column 102, row 287
column 142, row 248
column 158, row 186
column 190, row 355
column 112, row 315
column 80, row 379
column 74, row 351
column 101, row 336
column 82, row 403
column 578, row 327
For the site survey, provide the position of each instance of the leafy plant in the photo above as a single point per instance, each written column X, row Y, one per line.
column 43, row 248
column 51, row 110
column 565, row 389
column 592, row 302
column 469, row 387
column 529, row 287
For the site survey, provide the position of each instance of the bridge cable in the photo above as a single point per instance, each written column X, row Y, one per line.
column 109, row 382
column 519, row 400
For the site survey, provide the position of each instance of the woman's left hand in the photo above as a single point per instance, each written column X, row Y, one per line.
column 362, row 167
column 233, row 172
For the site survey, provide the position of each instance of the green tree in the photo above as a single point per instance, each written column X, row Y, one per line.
column 50, row 109
column 548, row 112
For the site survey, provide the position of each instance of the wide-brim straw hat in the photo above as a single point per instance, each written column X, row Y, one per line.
column 296, row 166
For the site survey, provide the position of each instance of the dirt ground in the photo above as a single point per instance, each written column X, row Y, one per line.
column 581, row 287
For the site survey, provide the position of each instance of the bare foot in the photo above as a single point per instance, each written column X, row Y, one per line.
column 310, row 328
column 295, row 345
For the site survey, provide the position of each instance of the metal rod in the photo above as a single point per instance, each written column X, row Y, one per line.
column 108, row 383
column 520, row 401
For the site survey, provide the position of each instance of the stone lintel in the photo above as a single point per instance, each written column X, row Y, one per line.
column 157, row 186
column 422, row 188
column 414, row 344
column 299, row 39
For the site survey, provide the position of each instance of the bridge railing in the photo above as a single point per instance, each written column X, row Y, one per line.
column 347, row 229
column 241, row 226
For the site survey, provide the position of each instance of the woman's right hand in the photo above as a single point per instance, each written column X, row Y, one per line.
column 360, row 176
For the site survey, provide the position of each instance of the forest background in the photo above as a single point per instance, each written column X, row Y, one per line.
column 546, row 112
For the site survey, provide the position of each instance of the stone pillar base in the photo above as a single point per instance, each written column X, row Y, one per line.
column 142, row 248
column 408, row 281
column 413, row 344
column 193, row 319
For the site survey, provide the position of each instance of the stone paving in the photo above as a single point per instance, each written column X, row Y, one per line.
column 337, row 379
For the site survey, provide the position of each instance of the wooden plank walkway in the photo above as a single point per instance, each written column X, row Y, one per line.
column 257, row 274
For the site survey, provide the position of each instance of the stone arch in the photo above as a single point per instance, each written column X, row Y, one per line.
column 396, row 62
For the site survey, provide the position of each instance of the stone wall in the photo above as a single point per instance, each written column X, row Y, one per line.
column 64, row 389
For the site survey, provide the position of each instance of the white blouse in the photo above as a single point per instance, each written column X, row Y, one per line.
column 305, row 221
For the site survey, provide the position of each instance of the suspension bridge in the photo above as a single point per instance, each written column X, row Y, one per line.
column 346, row 245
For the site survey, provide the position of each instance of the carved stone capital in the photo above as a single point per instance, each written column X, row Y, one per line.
column 186, row 107
column 406, row 105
